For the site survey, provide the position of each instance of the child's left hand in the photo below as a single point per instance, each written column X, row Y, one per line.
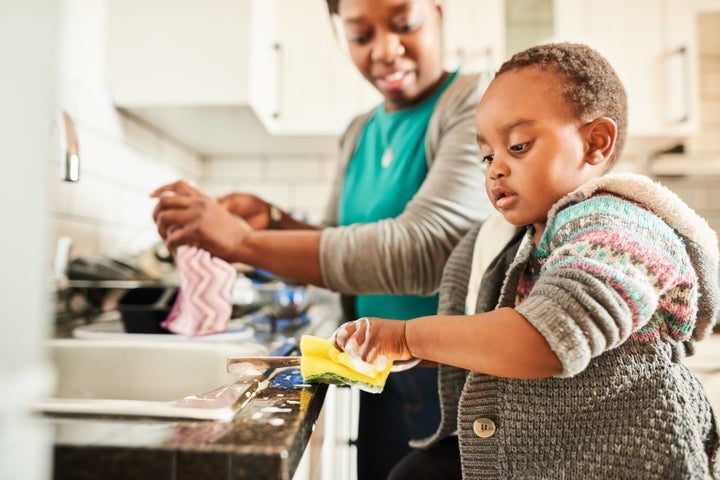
column 373, row 340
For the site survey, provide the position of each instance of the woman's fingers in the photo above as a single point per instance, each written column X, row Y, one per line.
column 169, row 203
column 180, row 187
column 184, row 235
column 171, row 212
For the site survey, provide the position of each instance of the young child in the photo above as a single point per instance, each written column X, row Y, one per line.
column 561, row 358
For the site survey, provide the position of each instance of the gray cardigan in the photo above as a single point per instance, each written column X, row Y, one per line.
column 621, row 408
column 406, row 254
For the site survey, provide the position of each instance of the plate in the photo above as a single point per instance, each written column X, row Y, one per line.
column 114, row 330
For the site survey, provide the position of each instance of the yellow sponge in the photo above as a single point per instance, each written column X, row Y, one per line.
column 321, row 362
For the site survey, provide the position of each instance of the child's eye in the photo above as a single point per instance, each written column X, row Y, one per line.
column 487, row 158
column 520, row 147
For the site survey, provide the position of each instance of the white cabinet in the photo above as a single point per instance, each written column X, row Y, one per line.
column 319, row 89
column 219, row 66
column 474, row 34
column 652, row 46
column 170, row 53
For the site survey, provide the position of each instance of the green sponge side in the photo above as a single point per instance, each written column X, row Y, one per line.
column 336, row 379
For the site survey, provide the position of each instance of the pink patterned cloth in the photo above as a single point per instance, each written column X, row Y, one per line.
column 204, row 301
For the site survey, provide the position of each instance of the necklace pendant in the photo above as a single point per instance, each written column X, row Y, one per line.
column 387, row 158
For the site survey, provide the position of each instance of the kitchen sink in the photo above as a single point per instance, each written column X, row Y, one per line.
column 157, row 379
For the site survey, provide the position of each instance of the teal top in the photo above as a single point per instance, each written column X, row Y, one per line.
column 387, row 169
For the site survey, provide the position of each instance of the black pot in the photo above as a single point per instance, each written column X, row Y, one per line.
column 143, row 309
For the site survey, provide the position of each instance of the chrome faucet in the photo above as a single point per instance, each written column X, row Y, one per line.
column 71, row 169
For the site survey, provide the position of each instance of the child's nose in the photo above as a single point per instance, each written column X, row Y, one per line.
column 496, row 169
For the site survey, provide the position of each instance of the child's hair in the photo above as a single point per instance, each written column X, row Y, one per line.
column 591, row 88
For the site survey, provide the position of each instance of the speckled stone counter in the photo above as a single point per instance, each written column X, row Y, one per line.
column 265, row 440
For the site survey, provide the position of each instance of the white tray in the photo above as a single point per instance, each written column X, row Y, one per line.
column 114, row 330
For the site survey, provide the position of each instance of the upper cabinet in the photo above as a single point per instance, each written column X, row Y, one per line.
column 165, row 57
column 215, row 73
column 652, row 46
column 232, row 76
column 474, row 34
column 318, row 89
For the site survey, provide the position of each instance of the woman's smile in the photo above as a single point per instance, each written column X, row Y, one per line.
column 394, row 81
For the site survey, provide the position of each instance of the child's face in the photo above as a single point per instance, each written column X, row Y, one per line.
column 396, row 45
column 533, row 147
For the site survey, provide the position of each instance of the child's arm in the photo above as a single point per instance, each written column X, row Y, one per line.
column 500, row 343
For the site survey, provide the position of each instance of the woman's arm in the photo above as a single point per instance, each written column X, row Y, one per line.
column 185, row 216
column 406, row 254
column 403, row 255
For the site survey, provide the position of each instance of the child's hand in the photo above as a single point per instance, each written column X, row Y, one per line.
column 373, row 340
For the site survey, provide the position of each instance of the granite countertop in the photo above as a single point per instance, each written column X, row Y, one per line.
column 265, row 440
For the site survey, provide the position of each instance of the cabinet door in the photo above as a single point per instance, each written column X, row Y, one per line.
column 474, row 34
column 319, row 89
column 650, row 45
column 162, row 53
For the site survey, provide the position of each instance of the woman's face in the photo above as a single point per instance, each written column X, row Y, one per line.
column 396, row 45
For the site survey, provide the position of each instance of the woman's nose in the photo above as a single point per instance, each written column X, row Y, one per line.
column 387, row 48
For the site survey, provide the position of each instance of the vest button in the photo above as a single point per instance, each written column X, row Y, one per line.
column 484, row 427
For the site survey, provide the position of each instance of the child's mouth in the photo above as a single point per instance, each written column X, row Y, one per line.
column 504, row 199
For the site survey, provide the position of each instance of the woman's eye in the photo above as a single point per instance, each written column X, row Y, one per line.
column 359, row 39
column 408, row 24
column 357, row 36
column 519, row 148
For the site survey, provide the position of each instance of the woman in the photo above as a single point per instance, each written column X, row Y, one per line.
column 405, row 193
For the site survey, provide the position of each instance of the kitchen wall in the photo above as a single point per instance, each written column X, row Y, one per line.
column 298, row 183
column 122, row 160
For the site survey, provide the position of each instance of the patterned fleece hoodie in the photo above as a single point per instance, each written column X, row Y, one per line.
column 622, row 284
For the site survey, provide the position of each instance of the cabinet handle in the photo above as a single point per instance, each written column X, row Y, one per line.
column 279, row 58
column 687, row 97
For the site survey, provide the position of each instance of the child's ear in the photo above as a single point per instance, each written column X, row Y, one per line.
column 600, row 136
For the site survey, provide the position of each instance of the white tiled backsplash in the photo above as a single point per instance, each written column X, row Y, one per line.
column 299, row 184
column 109, row 210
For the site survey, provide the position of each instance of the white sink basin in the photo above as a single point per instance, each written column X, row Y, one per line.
column 166, row 379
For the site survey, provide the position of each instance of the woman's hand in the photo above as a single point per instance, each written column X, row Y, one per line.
column 184, row 216
column 252, row 208
column 373, row 340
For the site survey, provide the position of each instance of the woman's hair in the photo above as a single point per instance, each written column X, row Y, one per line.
column 591, row 88
column 332, row 6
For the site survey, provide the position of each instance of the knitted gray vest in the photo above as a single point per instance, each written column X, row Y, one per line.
column 587, row 426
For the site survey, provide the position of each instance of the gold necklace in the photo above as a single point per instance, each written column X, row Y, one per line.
column 387, row 157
